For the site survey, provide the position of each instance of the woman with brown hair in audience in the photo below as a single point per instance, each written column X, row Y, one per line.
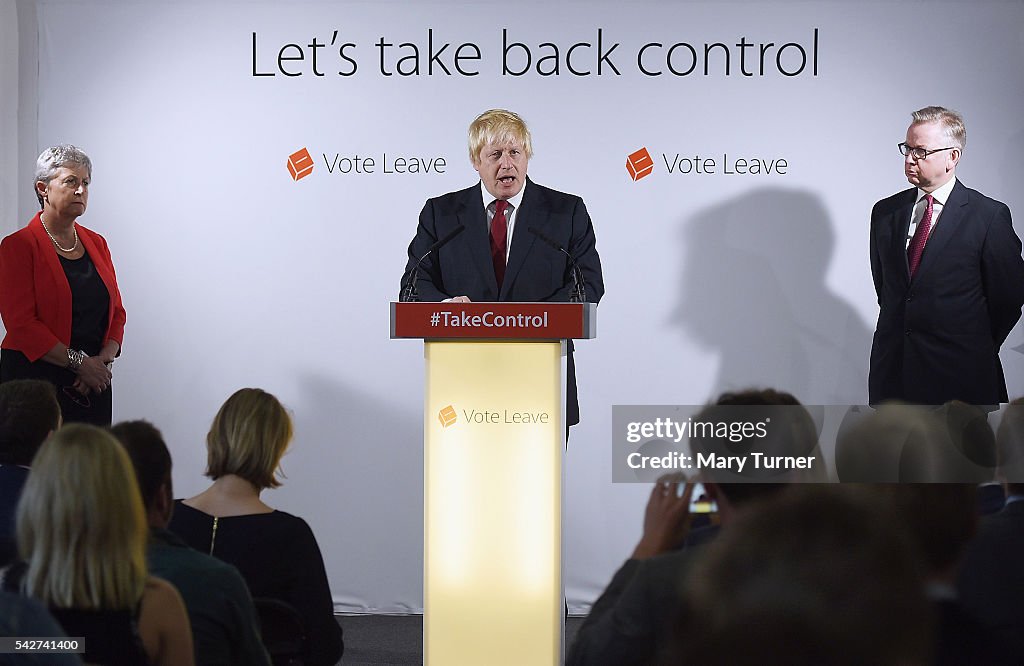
column 82, row 536
column 275, row 551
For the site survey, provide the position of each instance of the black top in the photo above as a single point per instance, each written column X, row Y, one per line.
column 225, row 627
column 991, row 580
column 111, row 635
column 90, row 304
column 90, row 314
column 279, row 558
column 961, row 639
column 12, row 480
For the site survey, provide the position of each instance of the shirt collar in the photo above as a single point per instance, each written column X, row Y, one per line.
column 489, row 198
column 166, row 537
column 940, row 195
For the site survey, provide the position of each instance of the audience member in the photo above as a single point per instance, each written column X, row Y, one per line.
column 991, row 579
column 225, row 627
column 917, row 444
column 1010, row 445
column 21, row 616
column 817, row 575
column 870, row 449
column 965, row 452
column 29, row 412
column 630, row 622
column 972, row 457
column 789, row 435
column 940, row 519
column 82, row 536
column 276, row 552
column 991, row 498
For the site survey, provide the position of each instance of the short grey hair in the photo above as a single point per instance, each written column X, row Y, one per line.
column 52, row 159
column 951, row 121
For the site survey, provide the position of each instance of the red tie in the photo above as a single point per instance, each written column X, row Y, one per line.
column 916, row 248
column 499, row 234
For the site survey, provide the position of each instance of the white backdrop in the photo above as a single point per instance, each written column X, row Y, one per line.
column 235, row 275
column 8, row 110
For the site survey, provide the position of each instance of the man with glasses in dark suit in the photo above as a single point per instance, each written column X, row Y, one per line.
column 948, row 274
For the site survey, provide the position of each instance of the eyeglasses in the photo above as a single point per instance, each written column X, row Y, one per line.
column 919, row 153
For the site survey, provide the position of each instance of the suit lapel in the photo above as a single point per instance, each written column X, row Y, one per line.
column 472, row 216
column 949, row 220
column 532, row 213
column 900, row 228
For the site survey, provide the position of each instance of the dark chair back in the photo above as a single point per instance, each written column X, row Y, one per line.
column 283, row 633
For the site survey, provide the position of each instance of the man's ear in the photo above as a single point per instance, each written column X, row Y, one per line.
column 163, row 503
column 954, row 159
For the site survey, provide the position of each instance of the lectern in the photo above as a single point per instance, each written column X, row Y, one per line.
column 494, row 435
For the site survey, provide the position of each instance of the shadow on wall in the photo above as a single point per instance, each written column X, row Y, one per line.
column 753, row 290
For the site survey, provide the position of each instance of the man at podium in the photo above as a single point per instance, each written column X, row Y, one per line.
column 505, row 238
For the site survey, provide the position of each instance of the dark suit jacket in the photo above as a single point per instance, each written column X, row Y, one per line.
column 991, row 581
column 631, row 623
column 535, row 271
column 12, row 481
column 938, row 335
column 961, row 639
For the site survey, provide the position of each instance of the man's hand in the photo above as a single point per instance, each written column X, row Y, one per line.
column 667, row 517
column 461, row 299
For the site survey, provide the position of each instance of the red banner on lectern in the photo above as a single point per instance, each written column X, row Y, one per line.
column 550, row 321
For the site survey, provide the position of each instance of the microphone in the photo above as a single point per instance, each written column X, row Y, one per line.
column 579, row 289
column 409, row 287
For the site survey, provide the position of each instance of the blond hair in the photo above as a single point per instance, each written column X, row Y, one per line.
column 247, row 438
column 498, row 126
column 80, row 523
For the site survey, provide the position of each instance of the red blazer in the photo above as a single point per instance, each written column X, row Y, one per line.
column 35, row 298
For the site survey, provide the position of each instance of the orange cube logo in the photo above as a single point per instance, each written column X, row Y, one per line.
column 300, row 164
column 447, row 416
column 639, row 164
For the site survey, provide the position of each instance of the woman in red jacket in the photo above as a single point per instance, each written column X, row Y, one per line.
column 58, row 294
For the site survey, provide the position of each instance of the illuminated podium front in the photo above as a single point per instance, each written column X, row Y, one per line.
column 494, row 436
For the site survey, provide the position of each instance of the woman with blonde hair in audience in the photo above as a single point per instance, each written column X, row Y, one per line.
column 82, row 536
column 275, row 551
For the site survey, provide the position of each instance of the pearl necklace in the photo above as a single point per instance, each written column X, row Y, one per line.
column 62, row 249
